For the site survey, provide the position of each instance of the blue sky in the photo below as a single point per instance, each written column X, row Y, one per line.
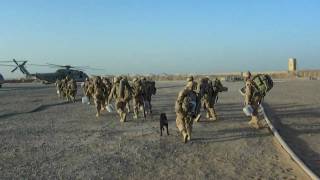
column 164, row 36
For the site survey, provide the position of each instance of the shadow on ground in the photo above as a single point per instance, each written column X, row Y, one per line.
column 292, row 134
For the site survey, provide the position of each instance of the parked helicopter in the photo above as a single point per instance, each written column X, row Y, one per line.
column 74, row 72
column 1, row 76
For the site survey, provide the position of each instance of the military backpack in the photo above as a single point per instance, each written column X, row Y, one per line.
column 263, row 83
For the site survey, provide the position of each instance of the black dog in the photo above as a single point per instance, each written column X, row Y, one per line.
column 163, row 123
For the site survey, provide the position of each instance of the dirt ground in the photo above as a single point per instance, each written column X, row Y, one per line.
column 294, row 108
column 43, row 137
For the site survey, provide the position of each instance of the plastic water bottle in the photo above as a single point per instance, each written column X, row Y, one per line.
column 85, row 100
column 248, row 110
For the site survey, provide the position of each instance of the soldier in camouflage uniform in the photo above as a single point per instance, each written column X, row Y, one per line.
column 206, row 93
column 71, row 90
column 253, row 99
column 90, row 89
column 186, row 107
column 64, row 87
column 85, row 87
column 121, row 93
column 150, row 90
column 108, row 86
column 129, row 98
column 137, row 93
column 98, row 95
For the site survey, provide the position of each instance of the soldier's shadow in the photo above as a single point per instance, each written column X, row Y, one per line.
column 23, row 88
column 232, row 134
column 39, row 108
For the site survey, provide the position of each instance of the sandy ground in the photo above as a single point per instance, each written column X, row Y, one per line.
column 294, row 107
column 42, row 137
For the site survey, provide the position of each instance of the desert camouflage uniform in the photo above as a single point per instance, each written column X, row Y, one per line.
column 206, row 93
column 64, row 87
column 150, row 89
column 254, row 99
column 98, row 95
column 89, row 86
column 120, row 99
column 137, row 96
column 185, row 108
column 71, row 90
column 108, row 86
column 85, row 85
column 129, row 96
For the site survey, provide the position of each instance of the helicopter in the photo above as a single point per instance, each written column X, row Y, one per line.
column 73, row 72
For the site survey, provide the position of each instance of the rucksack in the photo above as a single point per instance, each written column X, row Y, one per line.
column 263, row 83
column 124, row 90
column 121, row 88
column 189, row 104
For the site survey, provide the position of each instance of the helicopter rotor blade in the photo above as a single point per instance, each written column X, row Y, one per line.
column 24, row 63
column 14, row 69
column 62, row 66
column 89, row 68
column 41, row 65
column 15, row 62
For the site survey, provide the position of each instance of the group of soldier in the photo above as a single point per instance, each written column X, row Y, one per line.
column 123, row 92
column 67, row 88
column 190, row 100
column 205, row 94
column 138, row 92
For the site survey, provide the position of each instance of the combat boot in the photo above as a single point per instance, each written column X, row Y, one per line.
column 189, row 134
column 213, row 114
column 208, row 115
column 214, row 118
column 254, row 122
column 197, row 119
column 123, row 117
column 185, row 137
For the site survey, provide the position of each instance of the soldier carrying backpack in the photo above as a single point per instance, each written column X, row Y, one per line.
column 121, row 92
column 255, row 90
column 186, row 110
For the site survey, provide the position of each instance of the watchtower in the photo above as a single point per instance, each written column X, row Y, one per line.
column 292, row 65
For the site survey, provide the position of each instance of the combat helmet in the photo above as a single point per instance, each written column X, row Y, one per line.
column 247, row 74
column 190, row 78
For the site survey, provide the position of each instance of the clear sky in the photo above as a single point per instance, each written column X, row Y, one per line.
column 162, row 36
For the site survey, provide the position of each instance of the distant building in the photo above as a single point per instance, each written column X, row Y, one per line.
column 292, row 65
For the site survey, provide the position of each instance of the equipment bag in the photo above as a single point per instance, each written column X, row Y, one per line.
column 263, row 83
column 121, row 88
